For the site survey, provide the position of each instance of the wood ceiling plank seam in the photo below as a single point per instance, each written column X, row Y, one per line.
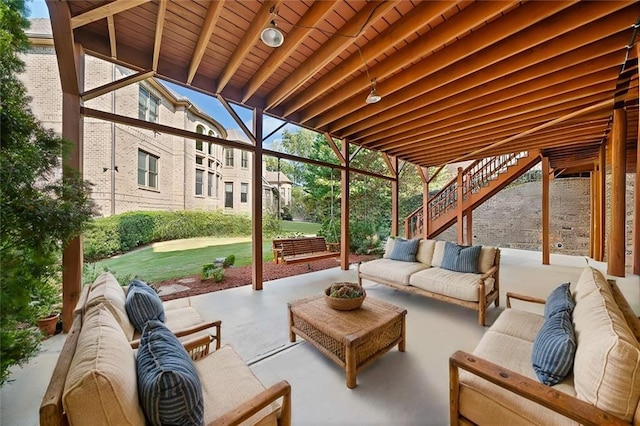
column 102, row 11
column 551, row 96
column 407, row 24
column 364, row 17
column 469, row 16
column 206, row 30
column 417, row 79
column 157, row 41
column 532, row 118
column 527, row 38
column 298, row 33
column 249, row 38
column 492, row 79
column 453, row 104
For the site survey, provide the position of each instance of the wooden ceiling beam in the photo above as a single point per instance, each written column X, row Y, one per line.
column 525, row 66
column 112, row 36
column 531, row 119
column 63, row 38
column 447, row 32
column 115, row 85
column 157, row 39
column 249, row 38
column 526, row 39
column 363, row 19
column 104, row 11
column 521, row 29
column 420, row 16
column 459, row 118
column 295, row 37
column 503, row 100
column 213, row 13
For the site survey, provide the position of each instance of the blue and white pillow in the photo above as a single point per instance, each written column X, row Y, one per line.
column 554, row 349
column 405, row 250
column 559, row 299
column 169, row 388
column 460, row 258
column 143, row 304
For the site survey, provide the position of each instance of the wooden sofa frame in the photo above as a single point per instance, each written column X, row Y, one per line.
column 305, row 249
column 564, row 404
column 484, row 300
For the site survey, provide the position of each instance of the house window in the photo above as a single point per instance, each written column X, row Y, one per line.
column 244, row 190
column 199, row 181
column 148, row 106
column 211, row 146
column 228, row 157
column 200, row 160
column 228, row 194
column 244, row 160
column 199, row 143
column 147, row 170
column 211, row 184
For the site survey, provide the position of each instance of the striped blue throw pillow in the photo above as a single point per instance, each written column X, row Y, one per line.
column 559, row 300
column 143, row 304
column 169, row 389
column 460, row 258
column 405, row 250
column 554, row 349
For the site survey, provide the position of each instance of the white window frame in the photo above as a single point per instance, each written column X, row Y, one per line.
column 148, row 175
column 147, row 100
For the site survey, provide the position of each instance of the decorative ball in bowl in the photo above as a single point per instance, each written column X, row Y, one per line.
column 344, row 296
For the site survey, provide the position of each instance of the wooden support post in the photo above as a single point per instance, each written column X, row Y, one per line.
column 617, row 237
column 601, row 207
column 469, row 226
column 394, row 197
column 256, row 217
column 635, row 253
column 545, row 211
column 344, row 208
column 592, row 211
column 459, row 206
column 425, row 204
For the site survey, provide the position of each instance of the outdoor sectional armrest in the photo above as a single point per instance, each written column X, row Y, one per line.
column 562, row 403
column 490, row 273
column 524, row 298
column 194, row 329
column 242, row 412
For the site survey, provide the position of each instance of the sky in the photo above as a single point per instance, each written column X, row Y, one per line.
column 208, row 104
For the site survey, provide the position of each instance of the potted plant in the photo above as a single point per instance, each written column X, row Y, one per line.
column 47, row 302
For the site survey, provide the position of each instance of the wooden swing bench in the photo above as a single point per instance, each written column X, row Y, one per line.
column 304, row 249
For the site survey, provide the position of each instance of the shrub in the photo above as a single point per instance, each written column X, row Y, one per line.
column 210, row 270
column 229, row 260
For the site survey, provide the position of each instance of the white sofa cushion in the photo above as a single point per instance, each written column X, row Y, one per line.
column 486, row 258
column 396, row 271
column 463, row 286
column 607, row 362
column 388, row 247
column 106, row 289
column 425, row 252
column 227, row 381
column 438, row 253
column 485, row 403
column 101, row 386
column 518, row 323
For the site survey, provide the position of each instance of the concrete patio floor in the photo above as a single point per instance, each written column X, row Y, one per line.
column 409, row 388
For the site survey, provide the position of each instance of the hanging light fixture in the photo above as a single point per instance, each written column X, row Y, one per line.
column 373, row 96
column 272, row 36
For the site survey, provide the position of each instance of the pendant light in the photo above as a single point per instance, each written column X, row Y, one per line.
column 272, row 36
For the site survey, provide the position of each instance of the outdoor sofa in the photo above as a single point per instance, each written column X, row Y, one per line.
column 584, row 348
column 100, row 379
column 416, row 266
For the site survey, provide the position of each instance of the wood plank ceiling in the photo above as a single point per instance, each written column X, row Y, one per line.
column 459, row 80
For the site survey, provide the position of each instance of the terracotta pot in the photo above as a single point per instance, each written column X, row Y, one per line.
column 48, row 325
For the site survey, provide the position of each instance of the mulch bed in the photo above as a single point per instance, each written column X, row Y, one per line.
column 240, row 276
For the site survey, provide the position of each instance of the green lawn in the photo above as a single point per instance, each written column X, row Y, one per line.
column 154, row 264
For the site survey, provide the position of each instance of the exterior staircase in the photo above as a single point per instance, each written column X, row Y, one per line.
column 479, row 182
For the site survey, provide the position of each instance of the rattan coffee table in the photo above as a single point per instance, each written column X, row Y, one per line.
column 351, row 339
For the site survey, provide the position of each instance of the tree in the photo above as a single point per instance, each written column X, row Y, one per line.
column 41, row 209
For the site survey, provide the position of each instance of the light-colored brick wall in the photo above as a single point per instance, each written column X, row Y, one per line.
column 108, row 146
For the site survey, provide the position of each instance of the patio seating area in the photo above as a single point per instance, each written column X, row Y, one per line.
column 399, row 388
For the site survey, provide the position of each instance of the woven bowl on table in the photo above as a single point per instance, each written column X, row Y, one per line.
column 341, row 304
